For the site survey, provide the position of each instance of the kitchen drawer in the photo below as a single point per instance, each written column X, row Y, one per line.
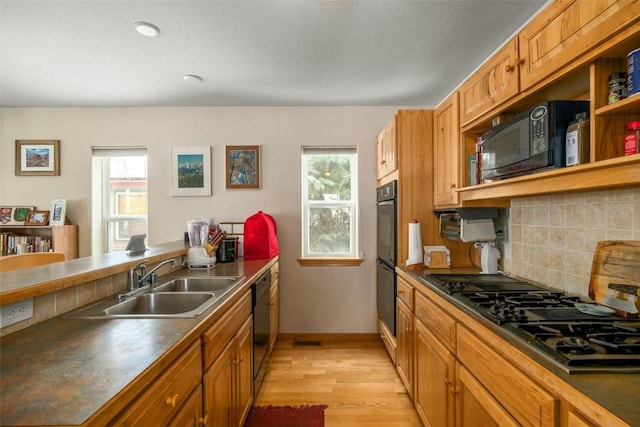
column 436, row 320
column 507, row 384
column 405, row 293
column 167, row 394
column 216, row 338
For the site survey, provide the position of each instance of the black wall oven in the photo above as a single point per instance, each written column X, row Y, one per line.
column 387, row 253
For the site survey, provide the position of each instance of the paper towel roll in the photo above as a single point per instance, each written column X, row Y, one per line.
column 415, row 244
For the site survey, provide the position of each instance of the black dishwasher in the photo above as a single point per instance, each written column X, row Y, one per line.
column 260, row 293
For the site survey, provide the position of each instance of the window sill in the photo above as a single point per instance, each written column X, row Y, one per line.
column 344, row 262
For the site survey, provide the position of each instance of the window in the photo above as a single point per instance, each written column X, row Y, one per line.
column 329, row 202
column 119, row 197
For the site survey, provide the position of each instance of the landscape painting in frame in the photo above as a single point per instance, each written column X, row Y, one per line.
column 38, row 157
column 243, row 166
column 191, row 171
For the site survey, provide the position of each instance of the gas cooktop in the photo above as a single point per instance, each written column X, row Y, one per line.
column 549, row 321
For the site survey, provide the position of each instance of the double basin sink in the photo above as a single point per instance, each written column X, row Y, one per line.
column 180, row 297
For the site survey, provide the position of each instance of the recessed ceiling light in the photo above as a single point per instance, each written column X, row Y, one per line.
column 193, row 78
column 147, row 29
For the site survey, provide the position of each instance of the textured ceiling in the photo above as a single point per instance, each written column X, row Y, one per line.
column 249, row 53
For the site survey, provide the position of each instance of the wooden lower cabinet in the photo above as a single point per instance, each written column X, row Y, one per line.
column 228, row 383
column 526, row 401
column 434, row 379
column 169, row 394
column 475, row 406
column 404, row 340
column 191, row 413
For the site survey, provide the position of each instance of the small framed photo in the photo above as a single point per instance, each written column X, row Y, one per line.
column 243, row 166
column 58, row 212
column 37, row 218
column 14, row 215
column 38, row 157
column 191, row 171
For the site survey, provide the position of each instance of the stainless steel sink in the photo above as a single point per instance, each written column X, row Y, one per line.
column 186, row 304
column 180, row 297
column 215, row 284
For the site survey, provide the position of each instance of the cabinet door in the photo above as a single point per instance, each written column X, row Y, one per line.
column 404, row 340
column 565, row 31
column 506, row 383
column 166, row 396
column 243, row 378
column 476, row 406
column 274, row 309
column 446, row 162
column 434, row 379
column 495, row 82
column 191, row 413
column 387, row 149
column 217, row 389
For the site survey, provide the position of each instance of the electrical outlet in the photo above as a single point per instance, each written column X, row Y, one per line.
column 16, row 312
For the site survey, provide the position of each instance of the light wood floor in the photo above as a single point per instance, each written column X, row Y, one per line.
column 351, row 374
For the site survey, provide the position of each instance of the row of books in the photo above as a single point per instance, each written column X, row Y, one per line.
column 9, row 243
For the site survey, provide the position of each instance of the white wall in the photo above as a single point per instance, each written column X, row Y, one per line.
column 313, row 299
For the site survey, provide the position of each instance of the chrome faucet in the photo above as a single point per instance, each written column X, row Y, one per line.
column 136, row 273
column 151, row 273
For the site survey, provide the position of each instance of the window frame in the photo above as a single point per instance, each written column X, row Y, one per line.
column 351, row 258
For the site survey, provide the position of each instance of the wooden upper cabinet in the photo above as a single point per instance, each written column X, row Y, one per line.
column 567, row 30
column 446, row 152
column 495, row 82
column 387, row 150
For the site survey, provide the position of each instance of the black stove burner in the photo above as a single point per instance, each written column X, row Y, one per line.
column 574, row 345
column 549, row 322
column 574, row 339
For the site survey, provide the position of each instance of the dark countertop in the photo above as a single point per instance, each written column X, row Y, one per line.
column 73, row 371
column 619, row 393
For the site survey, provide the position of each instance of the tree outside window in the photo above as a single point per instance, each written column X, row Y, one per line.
column 330, row 202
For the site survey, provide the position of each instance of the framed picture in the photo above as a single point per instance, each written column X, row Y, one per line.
column 38, row 157
column 191, row 171
column 37, row 218
column 14, row 215
column 58, row 212
column 243, row 166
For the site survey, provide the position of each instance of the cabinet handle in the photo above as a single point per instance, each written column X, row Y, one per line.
column 241, row 358
column 171, row 401
column 400, row 292
column 509, row 68
column 452, row 185
column 382, row 162
column 204, row 420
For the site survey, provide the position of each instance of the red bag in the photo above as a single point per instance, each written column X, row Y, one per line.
column 260, row 237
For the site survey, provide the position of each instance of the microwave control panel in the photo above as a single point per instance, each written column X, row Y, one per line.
column 539, row 143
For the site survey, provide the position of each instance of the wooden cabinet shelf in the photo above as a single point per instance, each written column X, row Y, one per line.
column 618, row 172
column 64, row 238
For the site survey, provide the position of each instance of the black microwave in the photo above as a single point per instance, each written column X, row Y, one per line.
column 529, row 142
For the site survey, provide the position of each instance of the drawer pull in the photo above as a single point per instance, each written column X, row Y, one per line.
column 171, row 401
column 205, row 420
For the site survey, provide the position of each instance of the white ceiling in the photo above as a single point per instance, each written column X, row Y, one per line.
column 86, row 53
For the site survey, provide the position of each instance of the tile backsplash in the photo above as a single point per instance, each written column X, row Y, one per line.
column 552, row 239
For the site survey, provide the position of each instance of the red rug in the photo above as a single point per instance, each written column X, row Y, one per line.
column 286, row 416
